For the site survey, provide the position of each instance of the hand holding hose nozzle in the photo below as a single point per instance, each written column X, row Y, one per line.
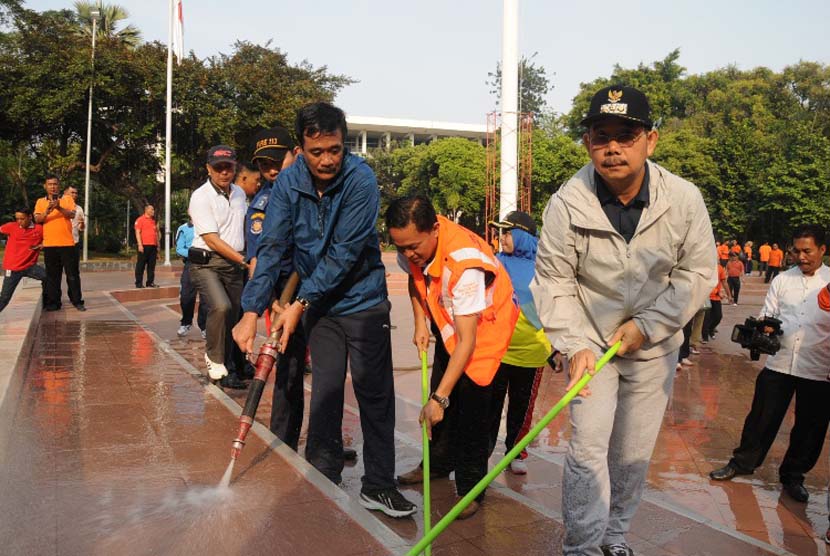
column 266, row 360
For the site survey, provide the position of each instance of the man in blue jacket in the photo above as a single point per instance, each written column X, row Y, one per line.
column 325, row 206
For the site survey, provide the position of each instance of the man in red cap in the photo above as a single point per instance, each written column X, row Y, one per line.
column 216, row 258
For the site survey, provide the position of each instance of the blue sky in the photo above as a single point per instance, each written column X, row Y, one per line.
column 428, row 59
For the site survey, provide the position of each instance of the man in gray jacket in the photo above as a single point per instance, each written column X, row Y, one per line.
column 626, row 254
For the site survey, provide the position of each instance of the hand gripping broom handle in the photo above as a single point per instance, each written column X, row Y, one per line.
column 430, row 535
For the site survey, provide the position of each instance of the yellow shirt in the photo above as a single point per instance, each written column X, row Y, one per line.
column 57, row 228
column 529, row 347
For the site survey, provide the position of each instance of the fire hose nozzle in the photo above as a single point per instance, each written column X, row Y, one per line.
column 236, row 448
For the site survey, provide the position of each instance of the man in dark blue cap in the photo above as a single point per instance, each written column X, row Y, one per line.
column 626, row 254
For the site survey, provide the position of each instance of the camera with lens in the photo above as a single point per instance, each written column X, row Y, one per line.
column 753, row 335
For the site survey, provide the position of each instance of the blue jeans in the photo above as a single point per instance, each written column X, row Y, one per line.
column 13, row 278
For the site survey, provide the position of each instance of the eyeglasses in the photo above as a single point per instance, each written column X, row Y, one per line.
column 624, row 139
column 224, row 167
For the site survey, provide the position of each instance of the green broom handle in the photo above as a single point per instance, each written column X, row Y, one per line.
column 425, row 440
column 431, row 534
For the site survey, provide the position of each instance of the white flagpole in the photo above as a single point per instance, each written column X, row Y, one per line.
column 168, row 133
column 508, row 192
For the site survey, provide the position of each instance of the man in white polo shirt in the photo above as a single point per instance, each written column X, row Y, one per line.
column 216, row 258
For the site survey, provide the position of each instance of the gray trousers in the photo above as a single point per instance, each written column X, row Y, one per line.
column 613, row 432
column 220, row 282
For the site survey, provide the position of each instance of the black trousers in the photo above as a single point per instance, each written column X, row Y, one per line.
column 147, row 259
column 461, row 441
column 734, row 283
column 685, row 348
column 773, row 392
column 772, row 272
column 521, row 384
column 362, row 342
column 13, row 278
column 187, row 300
column 288, row 401
column 712, row 320
column 61, row 260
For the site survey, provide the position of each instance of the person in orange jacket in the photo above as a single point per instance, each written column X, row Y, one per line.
column 763, row 257
column 776, row 259
column 466, row 293
column 723, row 253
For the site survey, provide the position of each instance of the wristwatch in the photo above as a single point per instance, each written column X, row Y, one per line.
column 304, row 302
column 442, row 401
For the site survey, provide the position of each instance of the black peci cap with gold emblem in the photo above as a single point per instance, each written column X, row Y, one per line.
column 621, row 102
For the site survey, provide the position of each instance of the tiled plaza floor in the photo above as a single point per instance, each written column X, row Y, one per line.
column 116, row 443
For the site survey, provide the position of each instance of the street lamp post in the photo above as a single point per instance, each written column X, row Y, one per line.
column 94, row 14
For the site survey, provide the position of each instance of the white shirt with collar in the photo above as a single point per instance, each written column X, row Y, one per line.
column 468, row 297
column 213, row 212
column 805, row 344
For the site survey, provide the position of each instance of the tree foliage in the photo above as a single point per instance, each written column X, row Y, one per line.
column 756, row 142
column 45, row 59
column 533, row 86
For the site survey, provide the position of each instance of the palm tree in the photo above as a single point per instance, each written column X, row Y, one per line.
column 110, row 15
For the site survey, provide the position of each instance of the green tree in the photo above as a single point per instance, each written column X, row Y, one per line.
column 450, row 172
column 109, row 18
column 534, row 85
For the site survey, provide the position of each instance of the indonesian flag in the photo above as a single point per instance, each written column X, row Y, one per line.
column 178, row 31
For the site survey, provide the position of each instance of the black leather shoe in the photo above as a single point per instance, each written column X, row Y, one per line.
column 81, row 308
column 725, row 473
column 152, row 285
column 797, row 492
column 139, row 286
column 233, row 382
column 349, row 454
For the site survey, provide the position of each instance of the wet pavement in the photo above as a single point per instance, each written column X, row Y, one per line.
column 119, row 448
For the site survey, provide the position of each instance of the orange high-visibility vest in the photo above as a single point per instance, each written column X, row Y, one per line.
column 458, row 250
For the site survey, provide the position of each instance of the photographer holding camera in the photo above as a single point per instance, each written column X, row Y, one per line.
column 799, row 367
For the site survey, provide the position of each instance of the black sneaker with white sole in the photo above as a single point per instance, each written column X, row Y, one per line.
column 620, row 549
column 389, row 501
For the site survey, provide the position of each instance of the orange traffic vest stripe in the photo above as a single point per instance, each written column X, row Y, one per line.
column 458, row 250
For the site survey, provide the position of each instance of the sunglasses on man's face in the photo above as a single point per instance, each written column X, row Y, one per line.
column 224, row 167
column 624, row 139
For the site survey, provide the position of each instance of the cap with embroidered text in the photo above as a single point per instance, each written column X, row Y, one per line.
column 619, row 101
column 272, row 144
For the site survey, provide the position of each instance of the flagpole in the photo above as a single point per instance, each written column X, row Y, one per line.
column 168, row 133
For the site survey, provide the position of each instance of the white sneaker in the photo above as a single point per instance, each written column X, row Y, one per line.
column 686, row 362
column 678, row 367
column 183, row 330
column 215, row 370
column 518, row 467
column 204, row 334
column 694, row 351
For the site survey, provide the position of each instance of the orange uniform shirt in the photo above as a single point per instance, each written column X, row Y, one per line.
column 57, row 229
column 715, row 295
column 147, row 227
column 776, row 257
column 723, row 252
column 763, row 253
column 734, row 269
column 748, row 251
column 736, row 249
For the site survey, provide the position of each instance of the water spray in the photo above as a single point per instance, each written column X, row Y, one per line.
column 265, row 362
column 431, row 534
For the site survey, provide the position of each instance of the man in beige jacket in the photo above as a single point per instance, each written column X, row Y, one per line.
column 626, row 254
